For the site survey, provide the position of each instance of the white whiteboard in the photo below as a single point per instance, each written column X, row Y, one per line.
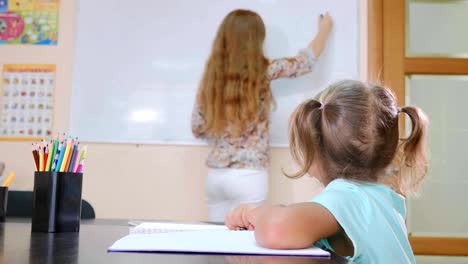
column 137, row 64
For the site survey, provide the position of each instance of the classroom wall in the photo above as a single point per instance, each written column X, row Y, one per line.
column 131, row 181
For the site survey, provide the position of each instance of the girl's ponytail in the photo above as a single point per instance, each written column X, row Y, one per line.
column 414, row 162
column 304, row 135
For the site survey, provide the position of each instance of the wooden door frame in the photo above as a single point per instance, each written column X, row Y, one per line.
column 388, row 64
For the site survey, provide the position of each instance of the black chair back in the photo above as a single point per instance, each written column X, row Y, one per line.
column 20, row 205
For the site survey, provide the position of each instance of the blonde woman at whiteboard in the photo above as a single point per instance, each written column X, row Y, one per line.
column 233, row 106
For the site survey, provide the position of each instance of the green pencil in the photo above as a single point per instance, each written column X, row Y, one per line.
column 51, row 158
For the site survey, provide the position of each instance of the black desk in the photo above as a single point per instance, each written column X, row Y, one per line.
column 19, row 245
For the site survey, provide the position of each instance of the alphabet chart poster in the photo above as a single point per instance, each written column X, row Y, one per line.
column 29, row 22
column 27, row 101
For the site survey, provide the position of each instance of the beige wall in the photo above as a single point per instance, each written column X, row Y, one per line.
column 118, row 180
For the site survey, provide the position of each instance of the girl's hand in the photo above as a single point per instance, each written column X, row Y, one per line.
column 240, row 218
column 325, row 23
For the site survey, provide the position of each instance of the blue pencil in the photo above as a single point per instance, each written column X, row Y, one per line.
column 59, row 162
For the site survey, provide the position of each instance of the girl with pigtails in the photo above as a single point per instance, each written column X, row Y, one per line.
column 348, row 138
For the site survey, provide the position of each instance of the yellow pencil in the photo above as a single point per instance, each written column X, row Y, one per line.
column 41, row 160
column 65, row 156
column 8, row 180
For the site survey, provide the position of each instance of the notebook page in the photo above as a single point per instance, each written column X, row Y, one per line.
column 161, row 227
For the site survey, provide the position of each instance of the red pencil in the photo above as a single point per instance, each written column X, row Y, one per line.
column 36, row 157
column 46, row 155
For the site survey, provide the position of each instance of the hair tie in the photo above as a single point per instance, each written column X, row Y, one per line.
column 399, row 110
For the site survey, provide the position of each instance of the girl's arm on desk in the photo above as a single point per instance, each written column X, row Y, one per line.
column 285, row 227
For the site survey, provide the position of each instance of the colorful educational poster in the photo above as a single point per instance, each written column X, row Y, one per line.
column 27, row 101
column 29, row 22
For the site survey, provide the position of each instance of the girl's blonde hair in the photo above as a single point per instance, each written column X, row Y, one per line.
column 353, row 128
column 234, row 92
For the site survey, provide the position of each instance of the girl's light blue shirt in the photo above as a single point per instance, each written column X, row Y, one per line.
column 373, row 217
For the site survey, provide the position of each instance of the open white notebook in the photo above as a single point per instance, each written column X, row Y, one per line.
column 204, row 242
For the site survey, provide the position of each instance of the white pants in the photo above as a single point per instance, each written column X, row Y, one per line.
column 228, row 188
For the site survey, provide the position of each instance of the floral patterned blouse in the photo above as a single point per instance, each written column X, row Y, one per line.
column 250, row 150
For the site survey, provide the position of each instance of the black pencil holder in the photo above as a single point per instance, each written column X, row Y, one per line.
column 3, row 202
column 57, row 202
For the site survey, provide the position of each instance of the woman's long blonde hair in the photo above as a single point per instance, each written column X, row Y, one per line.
column 234, row 92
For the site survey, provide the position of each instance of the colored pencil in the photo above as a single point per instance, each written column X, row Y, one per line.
column 65, row 156
column 46, row 156
column 77, row 160
column 60, row 158
column 83, row 153
column 9, row 179
column 80, row 167
column 36, row 157
column 41, row 160
column 56, row 157
column 74, row 158
column 49, row 156
column 70, row 156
